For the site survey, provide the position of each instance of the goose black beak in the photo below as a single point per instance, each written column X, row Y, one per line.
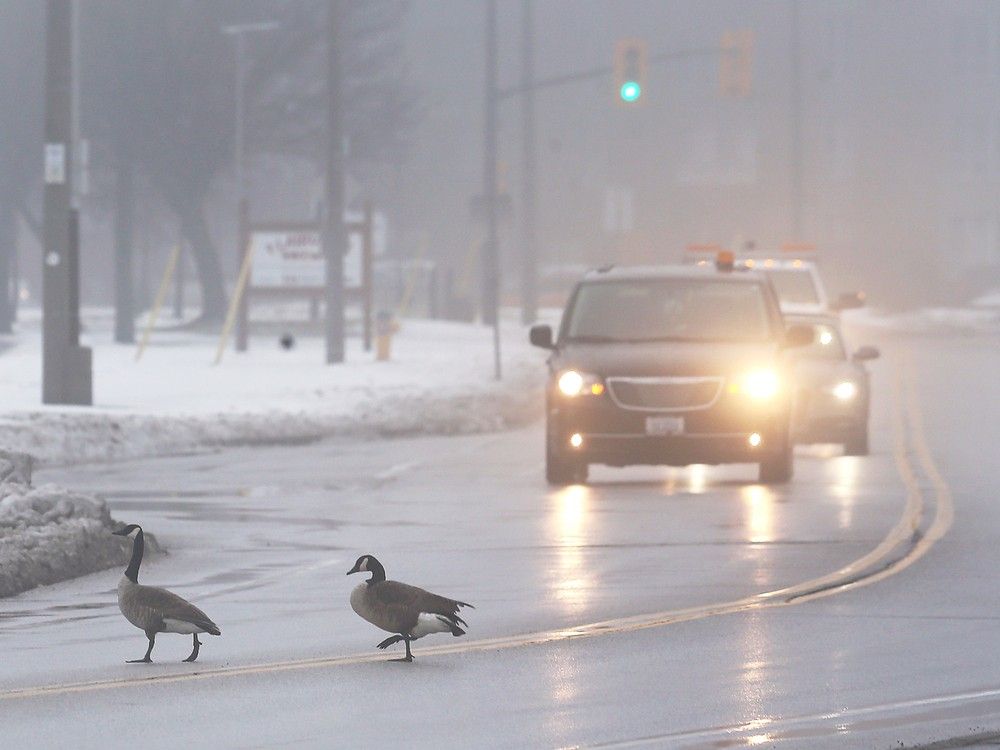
column 352, row 570
column 120, row 532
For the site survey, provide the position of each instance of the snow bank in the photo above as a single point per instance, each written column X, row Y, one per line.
column 49, row 534
column 439, row 380
column 979, row 318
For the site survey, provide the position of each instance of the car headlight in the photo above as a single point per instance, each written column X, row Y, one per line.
column 573, row 383
column 759, row 385
column 846, row 390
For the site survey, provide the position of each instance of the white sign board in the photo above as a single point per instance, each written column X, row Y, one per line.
column 55, row 163
column 294, row 260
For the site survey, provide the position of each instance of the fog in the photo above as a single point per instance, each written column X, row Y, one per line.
column 896, row 106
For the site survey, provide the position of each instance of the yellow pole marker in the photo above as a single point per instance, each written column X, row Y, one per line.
column 161, row 295
column 234, row 303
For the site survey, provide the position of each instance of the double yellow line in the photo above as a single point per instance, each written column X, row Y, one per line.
column 902, row 546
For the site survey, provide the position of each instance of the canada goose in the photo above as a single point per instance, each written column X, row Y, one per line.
column 403, row 609
column 154, row 610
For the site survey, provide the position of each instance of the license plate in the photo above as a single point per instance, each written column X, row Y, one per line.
column 664, row 425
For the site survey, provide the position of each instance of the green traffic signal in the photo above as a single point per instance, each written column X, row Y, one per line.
column 630, row 91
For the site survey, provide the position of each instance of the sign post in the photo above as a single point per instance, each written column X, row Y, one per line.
column 287, row 260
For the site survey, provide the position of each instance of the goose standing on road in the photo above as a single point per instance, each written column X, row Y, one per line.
column 399, row 608
column 154, row 610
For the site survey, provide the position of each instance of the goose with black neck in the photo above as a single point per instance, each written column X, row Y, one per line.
column 399, row 608
column 155, row 610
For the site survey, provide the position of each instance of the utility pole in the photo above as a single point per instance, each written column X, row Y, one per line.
column 490, row 259
column 66, row 366
column 124, row 232
column 529, row 249
column 334, row 235
column 796, row 124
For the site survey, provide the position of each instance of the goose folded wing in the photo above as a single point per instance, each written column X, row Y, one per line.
column 169, row 606
column 394, row 593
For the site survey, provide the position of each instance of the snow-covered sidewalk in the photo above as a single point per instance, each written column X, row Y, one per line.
column 439, row 380
column 980, row 316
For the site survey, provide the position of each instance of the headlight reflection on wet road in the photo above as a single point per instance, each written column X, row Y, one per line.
column 571, row 582
column 845, row 487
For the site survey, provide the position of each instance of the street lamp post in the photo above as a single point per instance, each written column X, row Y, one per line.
column 490, row 255
column 239, row 32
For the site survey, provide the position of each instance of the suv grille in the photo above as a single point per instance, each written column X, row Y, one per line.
column 664, row 394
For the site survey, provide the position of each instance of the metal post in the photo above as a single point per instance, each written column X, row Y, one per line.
column 8, row 273
column 490, row 259
column 796, row 125
column 66, row 376
column 179, row 282
column 240, row 31
column 367, row 274
column 243, row 311
column 334, row 236
column 238, row 135
column 529, row 250
column 124, row 241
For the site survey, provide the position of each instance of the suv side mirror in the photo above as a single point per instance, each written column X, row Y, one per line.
column 865, row 353
column 849, row 301
column 796, row 336
column 541, row 336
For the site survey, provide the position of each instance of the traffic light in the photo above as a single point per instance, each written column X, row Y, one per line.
column 736, row 63
column 631, row 62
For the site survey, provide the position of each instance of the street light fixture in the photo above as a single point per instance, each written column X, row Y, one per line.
column 240, row 31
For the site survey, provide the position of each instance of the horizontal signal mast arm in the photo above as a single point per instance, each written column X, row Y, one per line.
column 604, row 70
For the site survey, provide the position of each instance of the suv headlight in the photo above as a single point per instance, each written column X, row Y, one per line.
column 760, row 385
column 572, row 383
column 845, row 390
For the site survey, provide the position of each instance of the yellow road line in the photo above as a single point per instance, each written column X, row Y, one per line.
column 823, row 586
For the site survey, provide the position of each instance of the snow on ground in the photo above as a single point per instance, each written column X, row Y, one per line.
column 49, row 534
column 439, row 380
column 982, row 315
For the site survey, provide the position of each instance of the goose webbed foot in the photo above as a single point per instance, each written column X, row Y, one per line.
column 389, row 641
column 409, row 656
column 146, row 659
column 194, row 653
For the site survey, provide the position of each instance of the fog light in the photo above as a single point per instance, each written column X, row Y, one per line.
column 754, row 439
column 845, row 391
column 576, row 440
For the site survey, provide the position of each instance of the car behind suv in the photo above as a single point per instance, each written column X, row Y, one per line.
column 833, row 397
column 669, row 365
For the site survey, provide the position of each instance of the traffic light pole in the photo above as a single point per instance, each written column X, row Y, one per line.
column 796, row 124
column 490, row 260
column 66, row 366
column 529, row 254
column 334, row 235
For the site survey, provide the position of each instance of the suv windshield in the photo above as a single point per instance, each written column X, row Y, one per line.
column 794, row 286
column 668, row 310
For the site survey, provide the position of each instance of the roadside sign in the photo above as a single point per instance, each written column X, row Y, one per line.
column 55, row 163
column 294, row 260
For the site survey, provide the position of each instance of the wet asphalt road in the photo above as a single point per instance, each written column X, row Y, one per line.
column 261, row 539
